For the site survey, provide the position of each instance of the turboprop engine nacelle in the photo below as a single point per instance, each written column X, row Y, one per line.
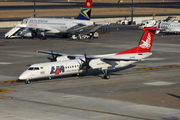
column 62, row 58
column 98, row 64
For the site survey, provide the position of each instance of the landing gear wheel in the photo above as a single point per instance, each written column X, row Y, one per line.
column 27, row 81
column 106, row 76
column 43, row 38
column 77, row 74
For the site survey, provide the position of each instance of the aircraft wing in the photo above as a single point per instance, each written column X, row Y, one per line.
column 88, row 57
column 102, row 23
column 80, row 24
column 113, row 59
column 37, row 29
column 119, row 59
column 59, row 54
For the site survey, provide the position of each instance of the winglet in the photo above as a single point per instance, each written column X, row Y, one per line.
column 85, row 13
column 145, row 42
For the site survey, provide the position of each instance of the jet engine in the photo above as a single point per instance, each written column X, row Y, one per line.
column 28, row 33
column 157, row 31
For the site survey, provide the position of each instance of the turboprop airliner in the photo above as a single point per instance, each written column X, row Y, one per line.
column 30, row 26
column 65, row 64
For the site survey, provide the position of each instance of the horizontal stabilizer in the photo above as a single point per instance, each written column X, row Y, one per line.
column 102, row 23
column 119, row 59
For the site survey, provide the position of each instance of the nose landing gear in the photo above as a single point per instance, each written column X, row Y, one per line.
column 27, row 81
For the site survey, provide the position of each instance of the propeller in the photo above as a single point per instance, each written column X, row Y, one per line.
column 54, row 56
column 85, row 63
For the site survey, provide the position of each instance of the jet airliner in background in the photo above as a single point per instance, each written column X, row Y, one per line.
column 65, row 64
column 167, row 27
column 30, row 26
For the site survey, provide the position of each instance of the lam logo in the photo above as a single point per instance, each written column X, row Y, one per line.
column 57, row 70
column 147, row 43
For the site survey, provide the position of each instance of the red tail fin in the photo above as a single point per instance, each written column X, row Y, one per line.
column 145, row 43
column 88, row 4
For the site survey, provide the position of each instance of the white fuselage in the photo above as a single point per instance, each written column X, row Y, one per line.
column 169, row 26
column 67, row 67
column 56, row 25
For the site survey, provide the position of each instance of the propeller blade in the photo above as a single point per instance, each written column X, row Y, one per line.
column 53, row 57
column 50, row 59
column 85, row 57
column 86, row 70
column 85, row 64
column 82, row 60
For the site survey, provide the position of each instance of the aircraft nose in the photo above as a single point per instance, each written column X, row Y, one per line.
column 24, row 75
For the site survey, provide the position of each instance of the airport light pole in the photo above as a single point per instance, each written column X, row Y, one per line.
column 132, row 13
column 34, row 9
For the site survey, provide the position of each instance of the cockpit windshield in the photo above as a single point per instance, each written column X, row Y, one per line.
column 24, row 21
column 33, row 68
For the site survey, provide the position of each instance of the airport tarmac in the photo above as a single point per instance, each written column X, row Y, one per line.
column 146, row 90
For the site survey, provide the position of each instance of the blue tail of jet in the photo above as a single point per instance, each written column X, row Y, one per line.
column 85, row 13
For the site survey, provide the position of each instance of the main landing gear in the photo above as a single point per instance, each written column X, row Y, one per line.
column 106, row 75
column 27, row 81
column 43, row 36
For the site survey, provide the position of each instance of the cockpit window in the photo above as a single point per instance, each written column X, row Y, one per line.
column 24, row 21
column 33, row 68
column 36, row 68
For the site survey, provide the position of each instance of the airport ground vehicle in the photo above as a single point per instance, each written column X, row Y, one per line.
column 147, row 23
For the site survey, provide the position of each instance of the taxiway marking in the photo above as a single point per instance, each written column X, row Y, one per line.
column 5, row 63
column 171, row 66
column 148, row 68
column 11, row 82
column 1, row 97
column 159, row 83
column 5, row 91
column 89, row 110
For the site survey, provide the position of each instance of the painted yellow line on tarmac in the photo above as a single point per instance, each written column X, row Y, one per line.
column 11, row 81
column 171, row 66
column 1, row 97
column 148, row 68
column 5, row 91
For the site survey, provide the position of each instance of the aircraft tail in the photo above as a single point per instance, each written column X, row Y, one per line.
column 85, row 13
column 145, row 43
